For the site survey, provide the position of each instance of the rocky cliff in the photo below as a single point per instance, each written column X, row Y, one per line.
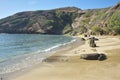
column 68, row 20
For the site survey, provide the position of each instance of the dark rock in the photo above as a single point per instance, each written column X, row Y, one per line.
column 85, row 35
column 92, row 42
column 96, row 39
column 116, row 6
column 102, row 57
column 82, row 39
column 93, row 56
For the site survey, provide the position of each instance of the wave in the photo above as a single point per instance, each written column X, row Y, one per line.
column 54, row 48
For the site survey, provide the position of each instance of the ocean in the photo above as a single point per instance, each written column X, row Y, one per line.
column 19, row 51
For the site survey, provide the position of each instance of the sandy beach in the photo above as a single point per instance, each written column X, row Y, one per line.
column 67, row 65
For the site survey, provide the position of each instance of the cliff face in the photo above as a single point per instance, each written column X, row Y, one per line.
column 68, row 20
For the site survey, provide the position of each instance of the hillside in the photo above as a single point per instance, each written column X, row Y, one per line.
column 68, row 20
column 99, row 21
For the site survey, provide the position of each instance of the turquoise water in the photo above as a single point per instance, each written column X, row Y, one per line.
column 15, row 49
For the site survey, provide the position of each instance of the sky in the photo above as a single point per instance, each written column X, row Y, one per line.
column 10, row 7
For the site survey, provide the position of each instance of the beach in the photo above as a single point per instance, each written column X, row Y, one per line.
column 67, row 65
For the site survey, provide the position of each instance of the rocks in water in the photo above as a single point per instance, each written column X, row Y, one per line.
column 93, row 56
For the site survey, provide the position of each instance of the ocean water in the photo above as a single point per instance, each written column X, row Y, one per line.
column 18, row 51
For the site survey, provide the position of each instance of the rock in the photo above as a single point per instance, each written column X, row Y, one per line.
column 93, row 56
column 82, row 39
column 96, row 39
column 102, row 57
column 85, row 35
column 92, row 42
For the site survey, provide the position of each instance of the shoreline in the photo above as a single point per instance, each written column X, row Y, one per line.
column 76, row 41
column 67, row 65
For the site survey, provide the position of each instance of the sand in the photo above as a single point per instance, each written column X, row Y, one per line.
column 67, row 65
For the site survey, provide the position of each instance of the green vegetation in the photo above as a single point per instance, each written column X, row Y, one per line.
column 67, row 29
column 114, row 23
column 30, row 23
column 83, row 29
column 116, row 29
column 47, row 23
column 64, row 17
column 97, row 30
column 87, row 14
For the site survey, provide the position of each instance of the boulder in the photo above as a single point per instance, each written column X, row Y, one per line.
column 102, row 57
column 93, row 56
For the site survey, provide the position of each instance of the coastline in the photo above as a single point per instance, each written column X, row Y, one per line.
column 64, row 47
column 67, row 65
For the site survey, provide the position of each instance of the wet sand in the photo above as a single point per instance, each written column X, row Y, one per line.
column 67, row 65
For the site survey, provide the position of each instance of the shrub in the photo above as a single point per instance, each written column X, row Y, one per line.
column 67, row 29
column 116, row 29
column 97, row 30
column 83, row 29
column 114, row 23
